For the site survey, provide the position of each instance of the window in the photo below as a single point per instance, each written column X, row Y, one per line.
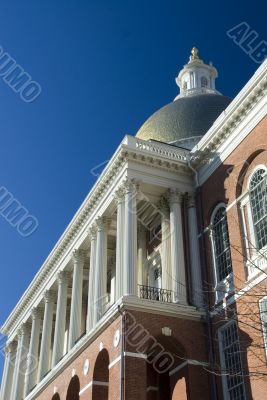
column 221, row 245
column 263, row 316
column 258, row 204
column 231, row 366
column 253, row 212
column 204, row 81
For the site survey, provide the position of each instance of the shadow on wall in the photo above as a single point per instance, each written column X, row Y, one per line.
column 56, row 397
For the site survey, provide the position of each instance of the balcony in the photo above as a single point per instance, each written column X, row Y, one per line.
column 154, row 293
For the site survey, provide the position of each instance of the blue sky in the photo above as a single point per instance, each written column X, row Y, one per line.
column 104, row 67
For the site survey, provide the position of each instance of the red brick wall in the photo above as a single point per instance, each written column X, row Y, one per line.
column 225, row 185
column 187, row 341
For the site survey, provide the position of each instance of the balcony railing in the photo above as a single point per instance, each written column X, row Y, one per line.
column 154, row 293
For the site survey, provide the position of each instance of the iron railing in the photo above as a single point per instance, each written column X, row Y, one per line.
column 154, row 293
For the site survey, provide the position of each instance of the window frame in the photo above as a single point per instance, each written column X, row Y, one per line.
column 264, row 328
column 224, row 286
column 252, row 218
column 253, row 255
column 222, row 358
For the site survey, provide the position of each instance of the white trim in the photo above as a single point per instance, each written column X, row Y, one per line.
column 97, row 383
column 178, row 368
column 85, row 388
column 224, row 286
column 150, row 388
column 135, row 355
column 114, row 362
column 264, row 330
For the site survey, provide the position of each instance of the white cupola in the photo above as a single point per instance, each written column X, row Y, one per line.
column 196, row 77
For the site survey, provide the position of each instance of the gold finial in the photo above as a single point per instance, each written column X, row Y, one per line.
column 194, row 53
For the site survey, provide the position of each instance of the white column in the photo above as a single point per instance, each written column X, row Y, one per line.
column 100, row 297
column 44, row 361
column 60, row 326
column 130, row 240
column 177, row 248
column 166, row 245
column 32, row 359
column 194, row 252
column 141, row 255
column 76, row 299
column 119, row 243
column 17, row 390
column 91, row 284
column 10, row 357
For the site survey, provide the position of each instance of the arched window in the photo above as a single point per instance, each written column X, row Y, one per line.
column 258, row 205
column 204, row 81
column 221, row 245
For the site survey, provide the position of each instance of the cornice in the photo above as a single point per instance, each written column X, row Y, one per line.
column 235, row 113
column 158, row 155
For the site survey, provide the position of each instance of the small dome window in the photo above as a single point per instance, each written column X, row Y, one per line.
column 204, row 82
column 185, row 85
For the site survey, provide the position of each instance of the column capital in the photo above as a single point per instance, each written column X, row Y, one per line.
column 119, row 195
column 49, row 296
column 130, row 185
column 92, row 232
column 63, row 277
column 102, row 223
column 163, row 205
column 191, row 200
column 37, row 312
column 24, row 329
column 10, row 347
column 175, row 196
column 78, row 255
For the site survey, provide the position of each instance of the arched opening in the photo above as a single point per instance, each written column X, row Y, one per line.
column 101, row 376
column 56, row 397
column 167, row 374
column 204, row 82
column 74, row 389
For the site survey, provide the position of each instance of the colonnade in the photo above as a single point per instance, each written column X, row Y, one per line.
column 39, row 343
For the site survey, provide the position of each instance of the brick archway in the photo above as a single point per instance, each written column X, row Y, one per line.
column 73, row 389
column 167, row 375
column 101, row 376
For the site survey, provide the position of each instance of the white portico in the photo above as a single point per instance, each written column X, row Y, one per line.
column 104, row 255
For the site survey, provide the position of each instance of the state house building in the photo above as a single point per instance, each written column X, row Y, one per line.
column 157, row 289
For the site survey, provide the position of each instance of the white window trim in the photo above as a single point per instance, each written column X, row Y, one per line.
column 253, row 256
column 224, row 286
column 222, row 359
column 264, row 330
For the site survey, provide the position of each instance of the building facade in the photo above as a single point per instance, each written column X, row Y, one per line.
column 157, row 288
